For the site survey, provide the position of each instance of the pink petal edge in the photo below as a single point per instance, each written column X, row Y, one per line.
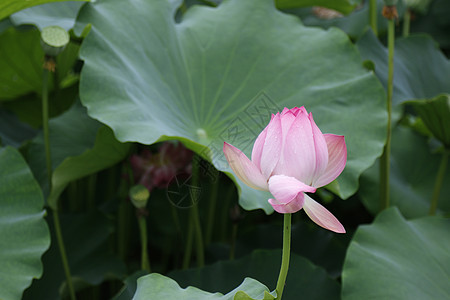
column 288, row 208
column 272, row 147
column 320, row 147
column 285, row 188
column 299, row 157
column 258, row 147
column 244, row 169
column 321, row 216
column 337, row 158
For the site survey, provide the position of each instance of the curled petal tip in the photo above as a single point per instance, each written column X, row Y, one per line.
column 321, row 216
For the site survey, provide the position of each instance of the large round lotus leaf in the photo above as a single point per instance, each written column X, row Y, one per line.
column 398, row 259
column 157, row 286
column 218, row 75
column 23, row 230
column 8, row 7
column 413, row 175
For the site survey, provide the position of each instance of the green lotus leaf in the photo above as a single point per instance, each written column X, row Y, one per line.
column 421, row 70
column 23, row 229
column 129, row 286
column 435, row 22
column 79, row 146
column 157, row 286
column 219, row 74
column 8, row 7
column 412, row 178
column 22, row 61
column 354, row 24
column 343, row 6
column 5, row 24
column 398, row 259
column 62, row 14
column 435, row 114
column 91, row 259
column 304, row 278
column 13, row 132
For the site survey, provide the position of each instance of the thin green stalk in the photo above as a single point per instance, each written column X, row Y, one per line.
column 62, row 251
column 188, row 248
column 373, row 16
column 385, row 158
column 438, row 183
column 406, row 22
column 145, row 263
column 285, row 256
column 48, row 159
column 45, row 118
column 211, row 211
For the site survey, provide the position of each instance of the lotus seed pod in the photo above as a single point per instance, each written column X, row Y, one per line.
column 53, row 40
column 139, row 195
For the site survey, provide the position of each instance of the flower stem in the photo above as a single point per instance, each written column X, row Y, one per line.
column 406, row 22
column 285, row 256
column 62, row 251
column 438, row 183
column 385, row 158
column 45, row 118
column 373, row 16
column 145, row 263
column 48, row 159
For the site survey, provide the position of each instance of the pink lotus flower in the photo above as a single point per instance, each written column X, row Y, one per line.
column 291, row 156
